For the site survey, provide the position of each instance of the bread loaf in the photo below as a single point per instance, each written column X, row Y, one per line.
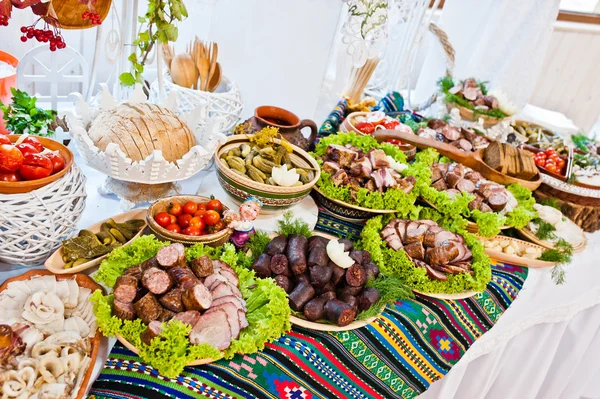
column 139, row 129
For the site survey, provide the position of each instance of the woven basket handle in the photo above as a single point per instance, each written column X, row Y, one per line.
column 450, row 54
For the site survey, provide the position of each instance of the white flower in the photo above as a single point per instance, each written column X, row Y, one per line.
column 45, row 310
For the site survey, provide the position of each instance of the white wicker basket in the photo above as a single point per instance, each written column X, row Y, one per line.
column 155, row 169
column 34, row 224
column 224, row 106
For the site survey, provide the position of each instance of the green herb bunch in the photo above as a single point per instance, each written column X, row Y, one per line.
column 23, row 115
column 157, row 25
column 561, row 254
column 447, row 83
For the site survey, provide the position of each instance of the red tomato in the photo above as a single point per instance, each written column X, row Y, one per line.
column 365, row 127
column 173, row 219
column 163, row 219
column 11, row 158
column 10, row 177
column 220, row 225
column 191, row 231
column 197, row 221
column 376, row 117
column 27, row 149
column 190, row 208
column 214, row 205
column 4, row 139
column 176, row 209
column 58, row 162
column 393, row 141
column 211, row 218
column 184, row 220
column 202, row 206
column 34, row 141
column 561, row 163
column 200, row 213
column 391, row 124
column 35, row 166
column 174, row 227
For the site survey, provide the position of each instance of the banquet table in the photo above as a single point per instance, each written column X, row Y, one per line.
column 544, row 345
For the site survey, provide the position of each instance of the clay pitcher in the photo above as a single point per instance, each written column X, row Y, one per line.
column 289, row 124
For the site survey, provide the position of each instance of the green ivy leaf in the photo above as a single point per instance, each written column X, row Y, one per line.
column 141, row 19
column 172, row 32
column 144, row 36
column 127, row 79
column 132, row 57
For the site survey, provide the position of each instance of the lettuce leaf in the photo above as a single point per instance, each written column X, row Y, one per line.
column 397, row 264
column 143, row 248
column 268, row 314
column 365, row 143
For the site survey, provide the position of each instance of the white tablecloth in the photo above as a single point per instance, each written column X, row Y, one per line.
column 546, row 345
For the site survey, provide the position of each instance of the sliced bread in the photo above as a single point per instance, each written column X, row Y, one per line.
column 528, row 168
column 494, row 157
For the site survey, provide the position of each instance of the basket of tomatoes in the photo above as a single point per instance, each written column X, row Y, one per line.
column 189, row 219
column 29, row 162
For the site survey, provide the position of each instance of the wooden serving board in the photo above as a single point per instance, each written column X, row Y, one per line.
column 55, row 262
column 82, row 281
column 356, row 207
column 517, row 260
column 528, row 234
column 132, row 348
column 472, row 160
column 449, row 297
column 468, row 114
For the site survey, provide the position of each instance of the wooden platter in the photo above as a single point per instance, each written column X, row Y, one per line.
column 473, row 228
column 518, row 260
column 472, row 160
column 448, row 297
column 346, row 210
column 83, row 281
column 469, row 115
column 132, row 348
column 528, row 234
column 55, row 263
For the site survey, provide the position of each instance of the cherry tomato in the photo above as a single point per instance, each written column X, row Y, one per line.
column 34, row 141
column 391, row 124
column 211, row 218
column 174, row 227
column 561, row 163
column 58, row 162
column 191, row 231
column 35, row 166
column 190, row 208
column 4, row 139
column 163, row 219
column 220, row 225
column 184, row 220
column 393, row 141
column 365, row 127
column 551, row 168
column 202, row 206
column 197, row 222
column 176, row 209
column 27, row 149
column 376, row 117
column 10, row 177
column 11, row 158
column 173, row 219
column 200, row 213
column 214, row 205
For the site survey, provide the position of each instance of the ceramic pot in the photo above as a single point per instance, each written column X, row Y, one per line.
column 289, row 124
column 5, row 85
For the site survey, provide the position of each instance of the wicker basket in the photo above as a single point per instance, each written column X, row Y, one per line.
column 224, row 104
column 34, row 224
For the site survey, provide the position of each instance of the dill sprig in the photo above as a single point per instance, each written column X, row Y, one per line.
column 289, row 225
column 391, row 289
column 545, row 229
column 562, row 253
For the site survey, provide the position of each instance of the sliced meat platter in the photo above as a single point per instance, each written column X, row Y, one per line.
column 316, row 286
column 464, row 139
column 455, row 178
column 438, row 251
column 203, row 293
column 373, row 170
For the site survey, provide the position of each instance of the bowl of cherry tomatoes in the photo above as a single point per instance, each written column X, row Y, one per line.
column 550, row 162
column 30, row 162
column 366, row 123
column 189, row 219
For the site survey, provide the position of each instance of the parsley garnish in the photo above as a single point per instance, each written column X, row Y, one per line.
column 23, row 116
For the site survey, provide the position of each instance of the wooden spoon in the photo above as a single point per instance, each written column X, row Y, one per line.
column 213, row 63
column 215, row 79
column 183, row 71
column 168, row 54
column 203, row 65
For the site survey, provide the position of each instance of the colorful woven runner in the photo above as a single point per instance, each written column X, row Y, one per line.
column 413, row 343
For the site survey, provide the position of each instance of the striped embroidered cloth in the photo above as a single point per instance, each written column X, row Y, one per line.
column 414, row 343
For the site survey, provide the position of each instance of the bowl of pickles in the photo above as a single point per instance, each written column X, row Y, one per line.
column 266, row 166
column 91, row 245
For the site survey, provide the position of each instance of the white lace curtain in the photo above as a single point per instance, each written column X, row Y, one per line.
column 503, row 42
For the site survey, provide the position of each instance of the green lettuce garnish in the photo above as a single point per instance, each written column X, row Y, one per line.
column 268, row 312
column 397, row 264
column 141, row 249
